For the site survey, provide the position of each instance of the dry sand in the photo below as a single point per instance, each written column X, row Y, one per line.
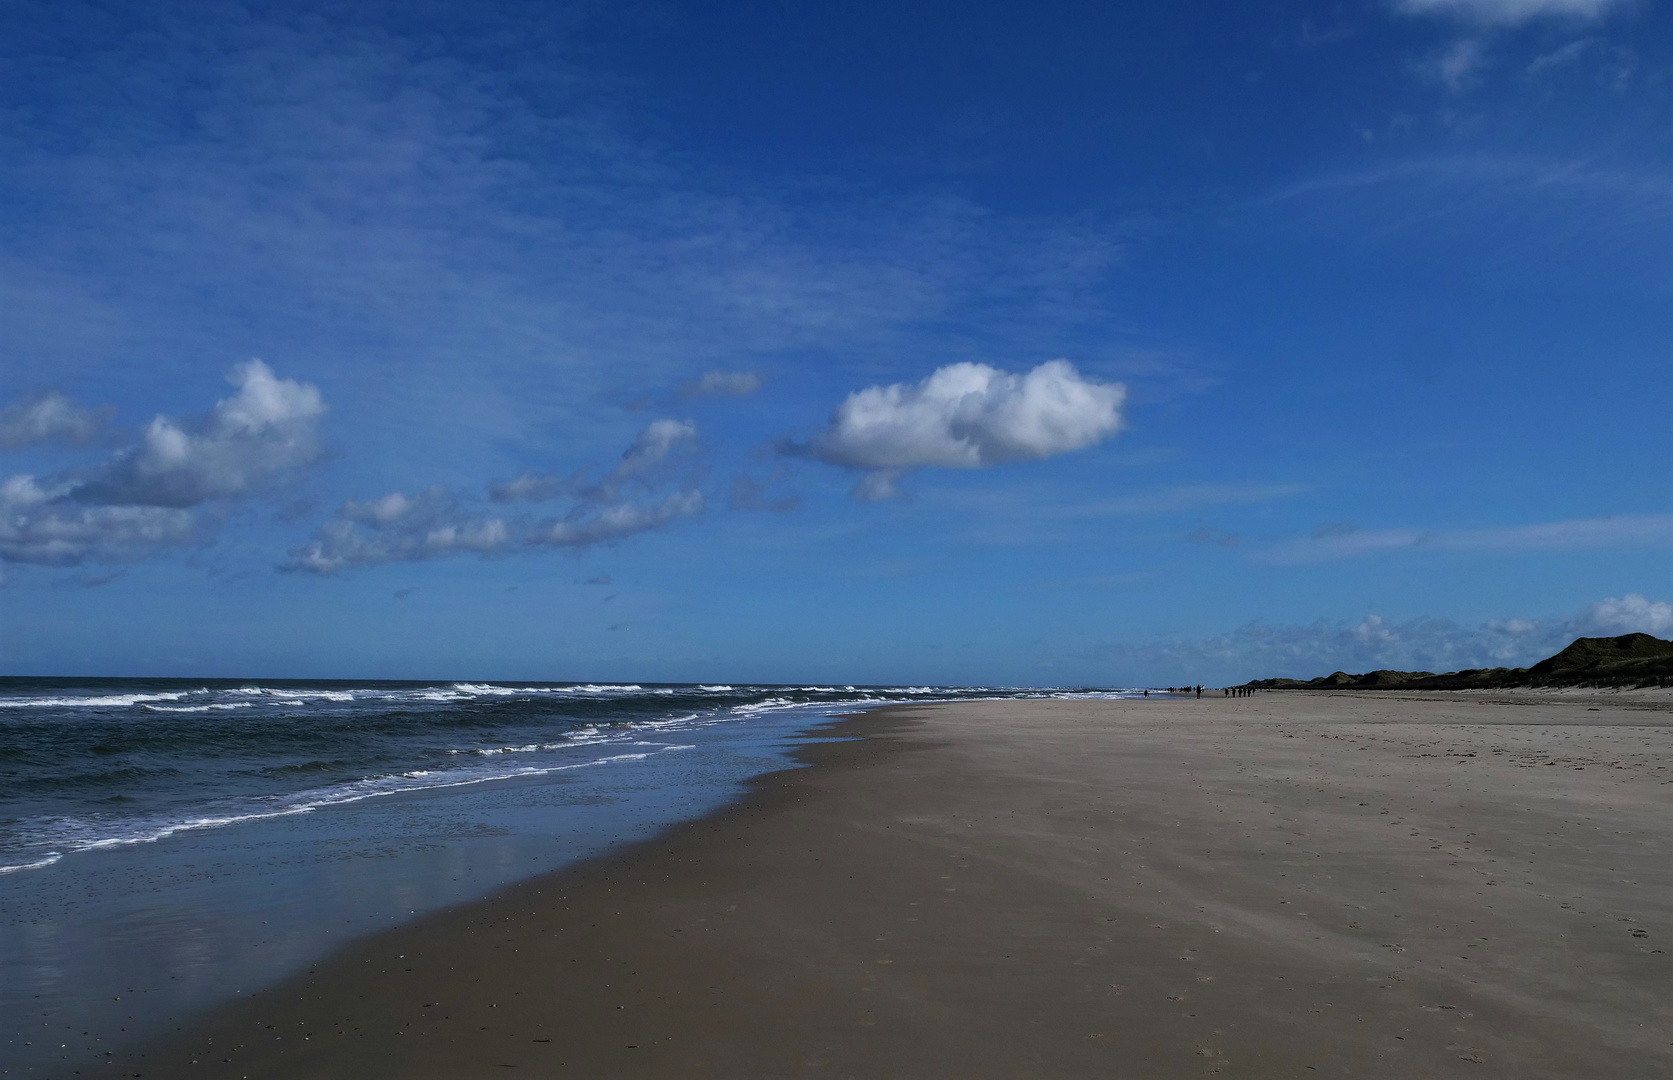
column 1290, row 885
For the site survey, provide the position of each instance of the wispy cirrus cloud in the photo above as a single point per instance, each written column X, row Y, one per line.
column 1209, row 535
column 1458, row 63
column 1183, row 497
column 1345, row 542
column 1032, row 514
column 452, row 195
column 722, row 384
column 1561, row 57
column 1455, row 64
column 1508, row 12
column 1595, row 216
column 748, row 493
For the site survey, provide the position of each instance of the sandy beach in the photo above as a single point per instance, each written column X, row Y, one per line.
column 1293, row 884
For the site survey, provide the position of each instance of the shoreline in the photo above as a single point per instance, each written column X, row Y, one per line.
column 191, row 1049
column 1054, row 887
column 107, row 948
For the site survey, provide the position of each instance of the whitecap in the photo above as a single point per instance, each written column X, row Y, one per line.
column 106, row 701
column 296, row 697
column 202, row 708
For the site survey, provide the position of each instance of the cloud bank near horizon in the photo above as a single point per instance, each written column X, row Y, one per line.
column 964, row 416
column 1258, row 650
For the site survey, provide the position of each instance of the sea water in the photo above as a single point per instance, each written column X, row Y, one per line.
column 169, row 844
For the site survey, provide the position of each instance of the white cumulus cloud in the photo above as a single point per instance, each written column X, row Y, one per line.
column 538, row 487
column 46, row 525
column 437, row 523
column 1629, row 614
column 965, row 416
column 662, row 442
column 399, row 528
column 590, row 526
column 141, row 500
column 1507, row 12
column 266, row 429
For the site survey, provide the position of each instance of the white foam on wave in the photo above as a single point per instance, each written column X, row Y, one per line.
column 481, row 688
column 774, row 704
column 296, row 697
column 202, row 708
column 45, row 861
column 672, row 721
column 468, row 766
column 106, row 701
column 306, row 802
column 490, row 690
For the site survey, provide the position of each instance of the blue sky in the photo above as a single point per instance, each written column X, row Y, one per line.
column 998, row 343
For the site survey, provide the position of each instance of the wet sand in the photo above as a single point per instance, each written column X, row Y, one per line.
column 1294, row 884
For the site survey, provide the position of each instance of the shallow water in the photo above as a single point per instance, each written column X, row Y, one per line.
column 89, row 765
column 169, row 845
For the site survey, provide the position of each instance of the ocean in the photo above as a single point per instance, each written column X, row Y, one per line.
column 166, row 844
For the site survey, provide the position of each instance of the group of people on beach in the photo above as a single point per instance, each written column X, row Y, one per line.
column 1229, row 691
